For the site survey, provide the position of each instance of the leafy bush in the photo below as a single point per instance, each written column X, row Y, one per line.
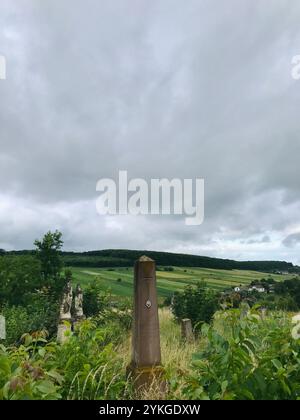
column 196, row 303
column 40, row 313
column 290, row 288
column 19, row 275
column 17, row 323
column 91, row 369
column 85, row 367
column 277, row 302
column 95, row 299
column 24, row 373
column 245, row 357
column 168, row 268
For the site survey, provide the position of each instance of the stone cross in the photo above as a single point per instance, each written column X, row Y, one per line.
column 145, row 364
column 187, row 330
column 2, row 328
column 65, row 319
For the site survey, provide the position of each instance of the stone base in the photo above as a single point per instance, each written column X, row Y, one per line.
column 64, row 331
column 146, row 377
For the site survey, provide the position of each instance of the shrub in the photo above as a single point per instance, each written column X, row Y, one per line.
column 196, row 303
column 168, row 268
column 40, row 313
column 17, row 321
column 24, row 373
column 85, row 367
column 245, row 357
column 19, row 275
column 95, row 299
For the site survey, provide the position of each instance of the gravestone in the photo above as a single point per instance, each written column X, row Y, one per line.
column 145, row 364
column 65, row 319
column 2, row 328
column 78, row 305
column 263, row 313
column 187, row 330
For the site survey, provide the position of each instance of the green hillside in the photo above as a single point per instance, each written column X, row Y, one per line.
column 120, row 280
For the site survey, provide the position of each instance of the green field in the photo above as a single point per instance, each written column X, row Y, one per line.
column 169, row 281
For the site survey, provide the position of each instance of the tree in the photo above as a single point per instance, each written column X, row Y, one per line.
column 48, row 251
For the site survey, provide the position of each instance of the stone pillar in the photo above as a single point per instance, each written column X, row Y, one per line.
column 187, row 330
column 65, row 320
column 146, row 355
column 2, row 328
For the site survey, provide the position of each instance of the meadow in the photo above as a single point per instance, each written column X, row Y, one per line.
column 120, row 280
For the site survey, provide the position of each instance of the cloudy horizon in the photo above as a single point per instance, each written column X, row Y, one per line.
column 162, row 89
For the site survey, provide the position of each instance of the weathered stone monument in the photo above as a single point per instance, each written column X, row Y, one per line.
column 187, row 330
column 145, row 364
column 78, row 305
column 65, row 318
column 2, row 328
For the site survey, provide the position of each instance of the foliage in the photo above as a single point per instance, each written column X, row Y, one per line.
column 117, row 313
column 104, row 307
column 278, row 302
column 95, row 299
column 48, row 251
column 168, row 268
column 40, row 313
column 85, row 367
column 289, row 287
column 91, row 368
column 24, row 371
column 283, row 295
column 196, row 303
column 168, row 300
column 30, row 286
column 245, row 357
column 17, row 322
column 19, row 275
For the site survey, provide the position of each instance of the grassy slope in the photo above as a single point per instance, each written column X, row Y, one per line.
column 168, row 282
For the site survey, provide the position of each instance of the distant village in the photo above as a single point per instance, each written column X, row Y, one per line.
column 259, row 286
column 256, row 286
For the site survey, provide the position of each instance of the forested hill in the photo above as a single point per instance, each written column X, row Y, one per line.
column 125, row 258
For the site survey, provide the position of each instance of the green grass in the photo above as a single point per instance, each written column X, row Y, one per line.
column 169, row 281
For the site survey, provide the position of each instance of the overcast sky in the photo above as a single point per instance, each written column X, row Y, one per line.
column 168, row 88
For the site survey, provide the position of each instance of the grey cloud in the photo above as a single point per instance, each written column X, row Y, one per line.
column 292, row 240
column 162, row 90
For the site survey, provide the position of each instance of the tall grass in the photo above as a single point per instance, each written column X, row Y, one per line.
column 176, row 358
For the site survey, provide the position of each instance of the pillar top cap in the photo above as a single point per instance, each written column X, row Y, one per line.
column 144, row 258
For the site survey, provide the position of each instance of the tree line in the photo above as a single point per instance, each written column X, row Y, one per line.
column 126, row 258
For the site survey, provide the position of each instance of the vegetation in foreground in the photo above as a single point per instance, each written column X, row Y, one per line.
column 239, row 356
